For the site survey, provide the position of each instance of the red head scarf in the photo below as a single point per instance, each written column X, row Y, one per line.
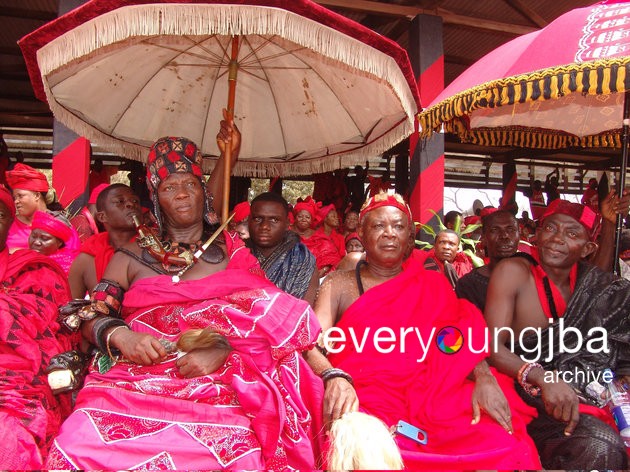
column 353, row 236
column 50, row 224
column 307, row 204
column 383, row 199
column 24, row 177
column 241, row 211
column 323, row 211
column 487, row 211
column 7, row 199
column 580, row 213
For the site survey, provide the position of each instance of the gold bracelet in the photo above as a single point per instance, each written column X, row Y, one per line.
column 108, row 338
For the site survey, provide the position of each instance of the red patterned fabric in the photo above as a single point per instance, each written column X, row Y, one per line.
column 84, row 224
column 170, row 155
column 261, row 410
column 433, row 394
column 33, row 289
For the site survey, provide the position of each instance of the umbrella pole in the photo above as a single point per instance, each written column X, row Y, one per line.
column 227, row 157
column 622, row 177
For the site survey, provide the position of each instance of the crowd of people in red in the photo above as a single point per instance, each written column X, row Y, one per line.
column 192, row 346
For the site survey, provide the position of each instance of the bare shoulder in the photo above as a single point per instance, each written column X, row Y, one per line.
column 82, row 261
column 511, row 267
column 338, row 279
column 350, row 261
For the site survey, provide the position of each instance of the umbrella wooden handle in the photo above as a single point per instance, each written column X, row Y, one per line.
column 227, row 157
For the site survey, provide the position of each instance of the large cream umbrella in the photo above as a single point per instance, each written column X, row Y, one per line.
column 313, row 90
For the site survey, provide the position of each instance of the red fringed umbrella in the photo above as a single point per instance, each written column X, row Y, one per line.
column 563, row 86
column 315, row 91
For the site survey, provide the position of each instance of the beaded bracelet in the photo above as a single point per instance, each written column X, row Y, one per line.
column 522, row 378
column 333, row 373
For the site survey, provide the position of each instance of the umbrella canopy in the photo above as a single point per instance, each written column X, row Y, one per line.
column 554, row 88
column 566, row 85
column 315, row 91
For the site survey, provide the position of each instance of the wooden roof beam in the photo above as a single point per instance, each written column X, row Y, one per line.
column 28, row 13
column 527, row 12
column 369, row 6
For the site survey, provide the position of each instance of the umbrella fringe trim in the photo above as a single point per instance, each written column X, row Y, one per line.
column 593, row 78
column 536, row 138
column 260, row 169
column 191, row 19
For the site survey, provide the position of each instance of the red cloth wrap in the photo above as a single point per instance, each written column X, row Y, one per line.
column 260, row 410
column 327, row 249
column 48, row 223
column 99, row 247
column 30, row 414
column 433, row 394
column 24, row 177
column 241, row 211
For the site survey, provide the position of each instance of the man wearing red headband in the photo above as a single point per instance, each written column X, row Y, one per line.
column 34, row 288
column 400, row 377
column 538, row 300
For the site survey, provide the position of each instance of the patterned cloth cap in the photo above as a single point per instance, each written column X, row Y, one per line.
column 580, row 213
column 169, row 155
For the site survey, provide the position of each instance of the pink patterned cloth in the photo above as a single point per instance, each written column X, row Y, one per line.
column 261, row 410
